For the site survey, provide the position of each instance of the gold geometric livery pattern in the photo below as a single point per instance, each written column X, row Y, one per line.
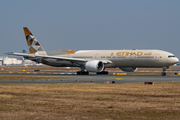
column 32, row 43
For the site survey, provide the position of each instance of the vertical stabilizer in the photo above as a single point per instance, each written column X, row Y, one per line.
column 33, row 44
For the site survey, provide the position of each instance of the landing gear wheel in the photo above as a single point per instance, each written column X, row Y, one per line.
column 102, row 73
column 163, row 74
column 82, row 73
column 106, row 72
column 78, row 73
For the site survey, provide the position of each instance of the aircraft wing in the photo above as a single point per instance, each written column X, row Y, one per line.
column 53, row 57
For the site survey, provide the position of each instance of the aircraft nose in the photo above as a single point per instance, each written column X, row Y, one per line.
column 175, row 60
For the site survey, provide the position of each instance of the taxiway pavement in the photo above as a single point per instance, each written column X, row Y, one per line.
column 91, row 78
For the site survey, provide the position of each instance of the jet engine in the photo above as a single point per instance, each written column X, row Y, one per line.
column 128, row 69
column 94, row 66
column 38, row 60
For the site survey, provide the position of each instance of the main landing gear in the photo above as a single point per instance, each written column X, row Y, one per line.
column 102, row 73
column 82, row 73
column 87, row 73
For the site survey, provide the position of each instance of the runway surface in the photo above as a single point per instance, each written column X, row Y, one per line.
column 91, row 78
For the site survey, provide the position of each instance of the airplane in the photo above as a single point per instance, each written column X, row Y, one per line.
column 97, row 60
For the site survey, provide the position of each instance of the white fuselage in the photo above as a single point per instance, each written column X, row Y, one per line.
column 121, row 58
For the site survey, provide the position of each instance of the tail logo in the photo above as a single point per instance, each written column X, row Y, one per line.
column 32, row 43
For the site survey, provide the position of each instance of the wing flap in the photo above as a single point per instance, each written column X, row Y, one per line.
column 46, row 56
column 53, row 57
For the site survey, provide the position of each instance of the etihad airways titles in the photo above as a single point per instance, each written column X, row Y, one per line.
column 132, row 53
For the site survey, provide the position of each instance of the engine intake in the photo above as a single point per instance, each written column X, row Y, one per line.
column 94, row 66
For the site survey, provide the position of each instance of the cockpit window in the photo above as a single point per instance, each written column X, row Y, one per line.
column 170, row 56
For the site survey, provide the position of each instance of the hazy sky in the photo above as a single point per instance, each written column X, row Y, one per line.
column 91, row 24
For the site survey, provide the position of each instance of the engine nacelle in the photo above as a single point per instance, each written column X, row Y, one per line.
column 38, row 60
column 94, row 66
column 128, row 69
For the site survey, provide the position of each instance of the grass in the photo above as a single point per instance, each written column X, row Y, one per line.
column 90, row 101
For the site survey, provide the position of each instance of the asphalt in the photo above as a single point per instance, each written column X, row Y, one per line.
column 91, row 78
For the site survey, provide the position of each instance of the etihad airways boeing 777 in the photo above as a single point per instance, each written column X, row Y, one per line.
column 97, row 60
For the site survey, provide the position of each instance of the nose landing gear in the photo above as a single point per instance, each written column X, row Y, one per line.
column 164, row 73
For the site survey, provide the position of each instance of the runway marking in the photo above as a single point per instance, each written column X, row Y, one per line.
column 125, row 78
column 116, row 79
column 119, row 78
column 119, row 74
